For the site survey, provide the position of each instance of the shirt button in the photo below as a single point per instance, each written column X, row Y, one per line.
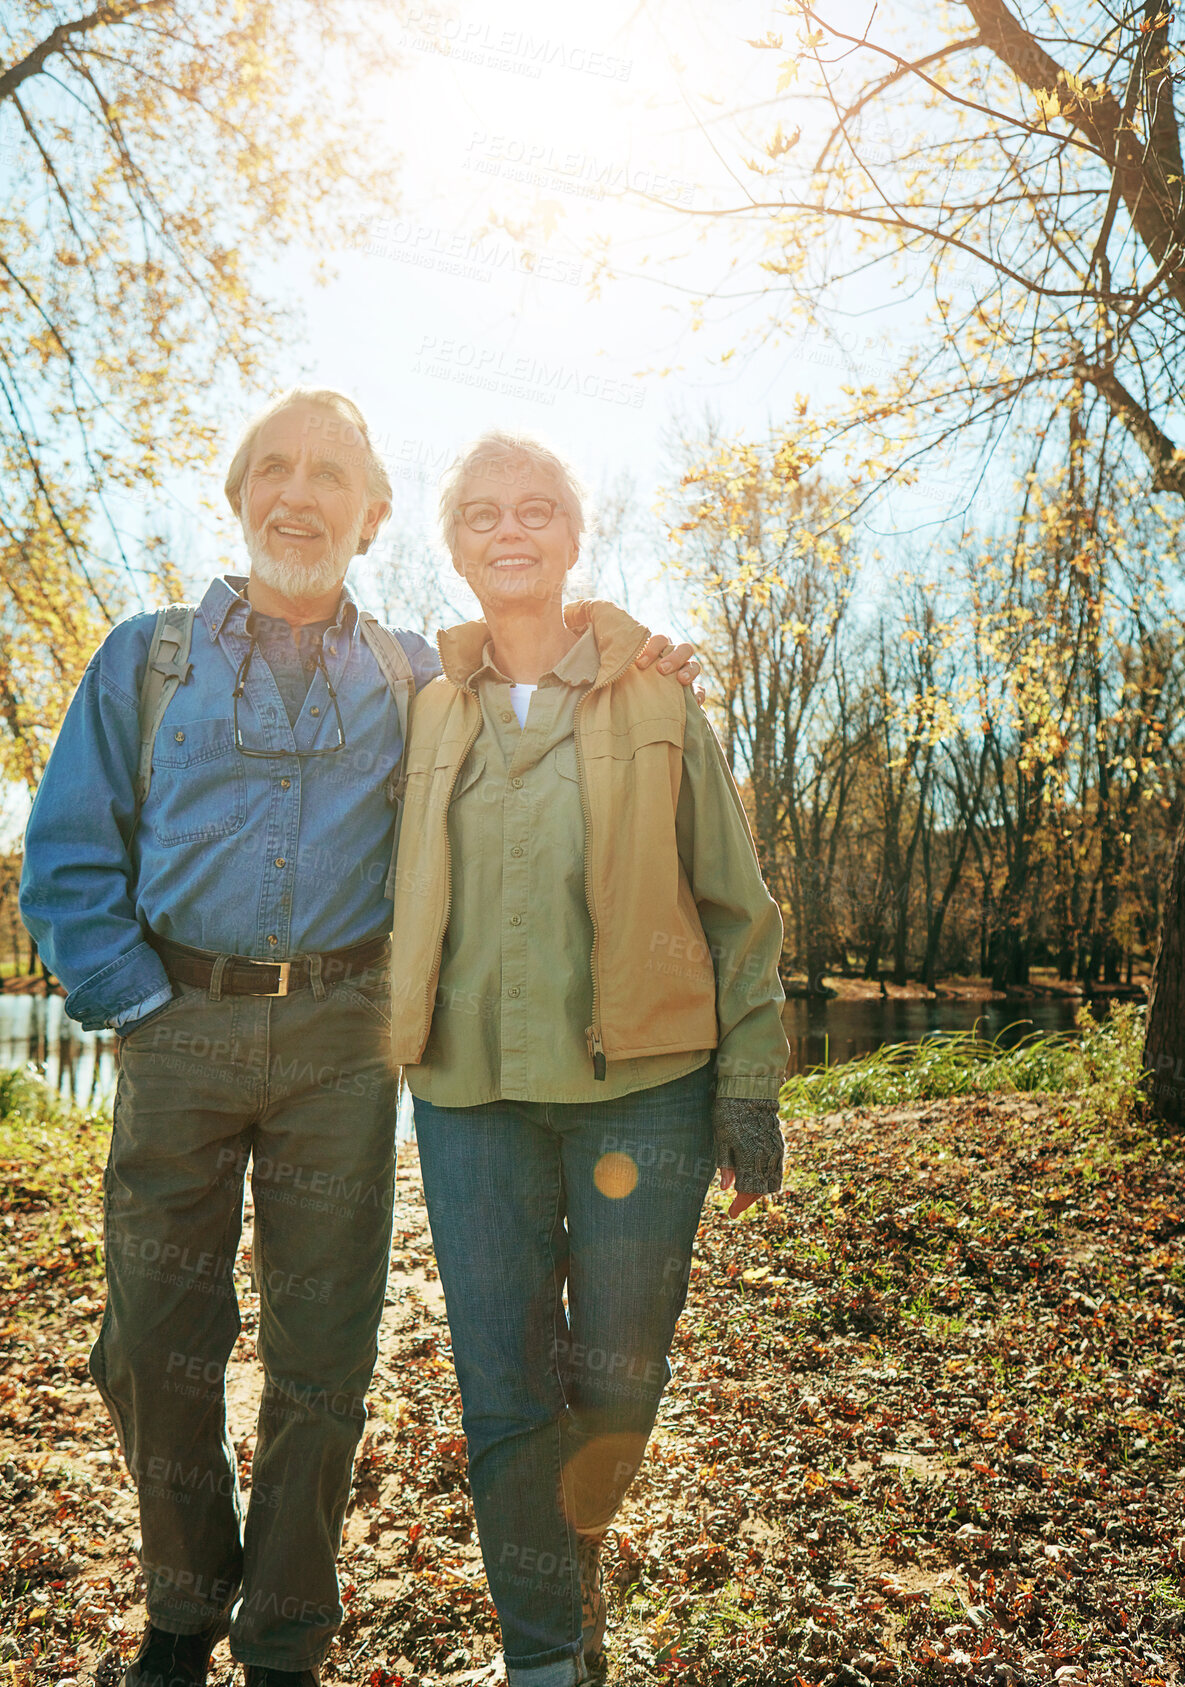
column 314, row 710
column 514, row 990
column 280, row 861
column 285, row 784
column 180, row 737
column 272, row 938
column 516, row 784
column 516, row 851
column 507, row 714
column 516, row 919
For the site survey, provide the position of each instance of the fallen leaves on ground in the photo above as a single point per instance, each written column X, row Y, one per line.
column 927, row 1425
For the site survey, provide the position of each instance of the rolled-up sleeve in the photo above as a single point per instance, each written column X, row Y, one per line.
column 740, row 918
column 77, row 895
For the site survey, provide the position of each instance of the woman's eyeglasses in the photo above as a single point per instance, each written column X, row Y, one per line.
column 303, row 755
column 483, row 514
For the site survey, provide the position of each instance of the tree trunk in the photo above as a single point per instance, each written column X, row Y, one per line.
column 1010, row 958
column 938, row 918
column 1066, row 952
column 1164, row 1040
column 814, row 934
column 901, row 937
column 1086, row 937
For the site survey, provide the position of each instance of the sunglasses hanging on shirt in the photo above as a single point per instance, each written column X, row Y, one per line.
column 301, row 755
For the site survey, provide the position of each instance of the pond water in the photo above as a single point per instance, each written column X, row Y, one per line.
column 35, row 1031
column 835, row 1031
column 81, row 1064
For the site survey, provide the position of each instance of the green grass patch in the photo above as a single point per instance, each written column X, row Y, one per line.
column 51, row 1151
column 1099, row 1063
column 51, row 1205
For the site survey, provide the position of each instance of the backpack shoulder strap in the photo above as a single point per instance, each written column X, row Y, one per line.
column 387, row 651
column 395, row 667
column 168, row 667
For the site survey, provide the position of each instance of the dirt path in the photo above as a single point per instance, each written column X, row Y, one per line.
column 927, row 1424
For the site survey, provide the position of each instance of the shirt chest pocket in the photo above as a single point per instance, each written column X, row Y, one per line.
column 199, row 784
column 565, row 762
column 469, row 777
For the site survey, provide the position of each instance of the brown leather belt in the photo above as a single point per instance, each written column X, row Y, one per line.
column 244, row 977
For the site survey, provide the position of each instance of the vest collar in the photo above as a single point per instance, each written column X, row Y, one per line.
column 619, row 639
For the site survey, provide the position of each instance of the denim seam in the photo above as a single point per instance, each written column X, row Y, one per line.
column 562, row 1489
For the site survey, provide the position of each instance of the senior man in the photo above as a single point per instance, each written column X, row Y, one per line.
column 212, row 881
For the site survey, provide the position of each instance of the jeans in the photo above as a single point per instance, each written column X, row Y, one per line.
column 558, row 1405
column 301, row 1086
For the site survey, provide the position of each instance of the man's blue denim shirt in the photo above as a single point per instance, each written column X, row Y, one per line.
column 267, row 858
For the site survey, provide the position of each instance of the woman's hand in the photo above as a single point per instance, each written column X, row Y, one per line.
column 740, row 1202
column 670, row 657
column 749, row 1145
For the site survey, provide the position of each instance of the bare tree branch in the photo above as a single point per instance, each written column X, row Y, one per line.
column 120, row 11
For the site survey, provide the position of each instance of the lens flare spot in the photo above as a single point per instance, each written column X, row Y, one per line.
column 616, row 1176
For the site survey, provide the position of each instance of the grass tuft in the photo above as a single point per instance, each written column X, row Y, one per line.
column 26, row 1099
column 1101, row 1063
column 51, row 1160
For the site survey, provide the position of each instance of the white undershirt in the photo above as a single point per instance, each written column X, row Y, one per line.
column 520, row 701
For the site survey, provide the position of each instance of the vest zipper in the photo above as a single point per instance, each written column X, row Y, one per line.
column 596, row 1049
column 592, row 1035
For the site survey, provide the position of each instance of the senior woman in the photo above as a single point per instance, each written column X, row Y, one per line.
column 587, row 1009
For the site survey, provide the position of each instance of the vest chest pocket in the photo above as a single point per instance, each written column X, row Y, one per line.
column 652, row 735
column 199, row 784
column 428, row 786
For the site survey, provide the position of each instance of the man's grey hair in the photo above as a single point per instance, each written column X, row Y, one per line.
column 378, row 482
column 489, row 455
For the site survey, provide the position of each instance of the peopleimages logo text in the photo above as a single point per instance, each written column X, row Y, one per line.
column 532, row 377
column 450, row 33
column 570, row 171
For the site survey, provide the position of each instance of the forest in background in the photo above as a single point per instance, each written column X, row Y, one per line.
column 958, row 760
column 966, row 763
column 961, row 751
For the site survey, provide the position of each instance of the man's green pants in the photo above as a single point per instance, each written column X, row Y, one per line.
column 299, row 1087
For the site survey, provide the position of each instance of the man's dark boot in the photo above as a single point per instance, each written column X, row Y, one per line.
column 258, row 1676
column 174, row 1660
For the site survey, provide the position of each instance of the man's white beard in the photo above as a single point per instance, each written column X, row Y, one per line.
column 295, row 580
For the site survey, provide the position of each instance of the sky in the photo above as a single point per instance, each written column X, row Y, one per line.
column 527, row 139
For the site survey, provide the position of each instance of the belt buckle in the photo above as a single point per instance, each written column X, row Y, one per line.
column 284, row 968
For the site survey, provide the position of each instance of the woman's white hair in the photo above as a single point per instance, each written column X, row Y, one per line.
column 356, row 436
column 487, row 455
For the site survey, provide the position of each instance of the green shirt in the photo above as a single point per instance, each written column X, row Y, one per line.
column 515, row 988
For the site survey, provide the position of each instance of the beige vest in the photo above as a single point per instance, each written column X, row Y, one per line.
column 654, row 989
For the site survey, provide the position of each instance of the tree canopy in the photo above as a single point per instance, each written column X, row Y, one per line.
column 157, row 153
column 1011, row 175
